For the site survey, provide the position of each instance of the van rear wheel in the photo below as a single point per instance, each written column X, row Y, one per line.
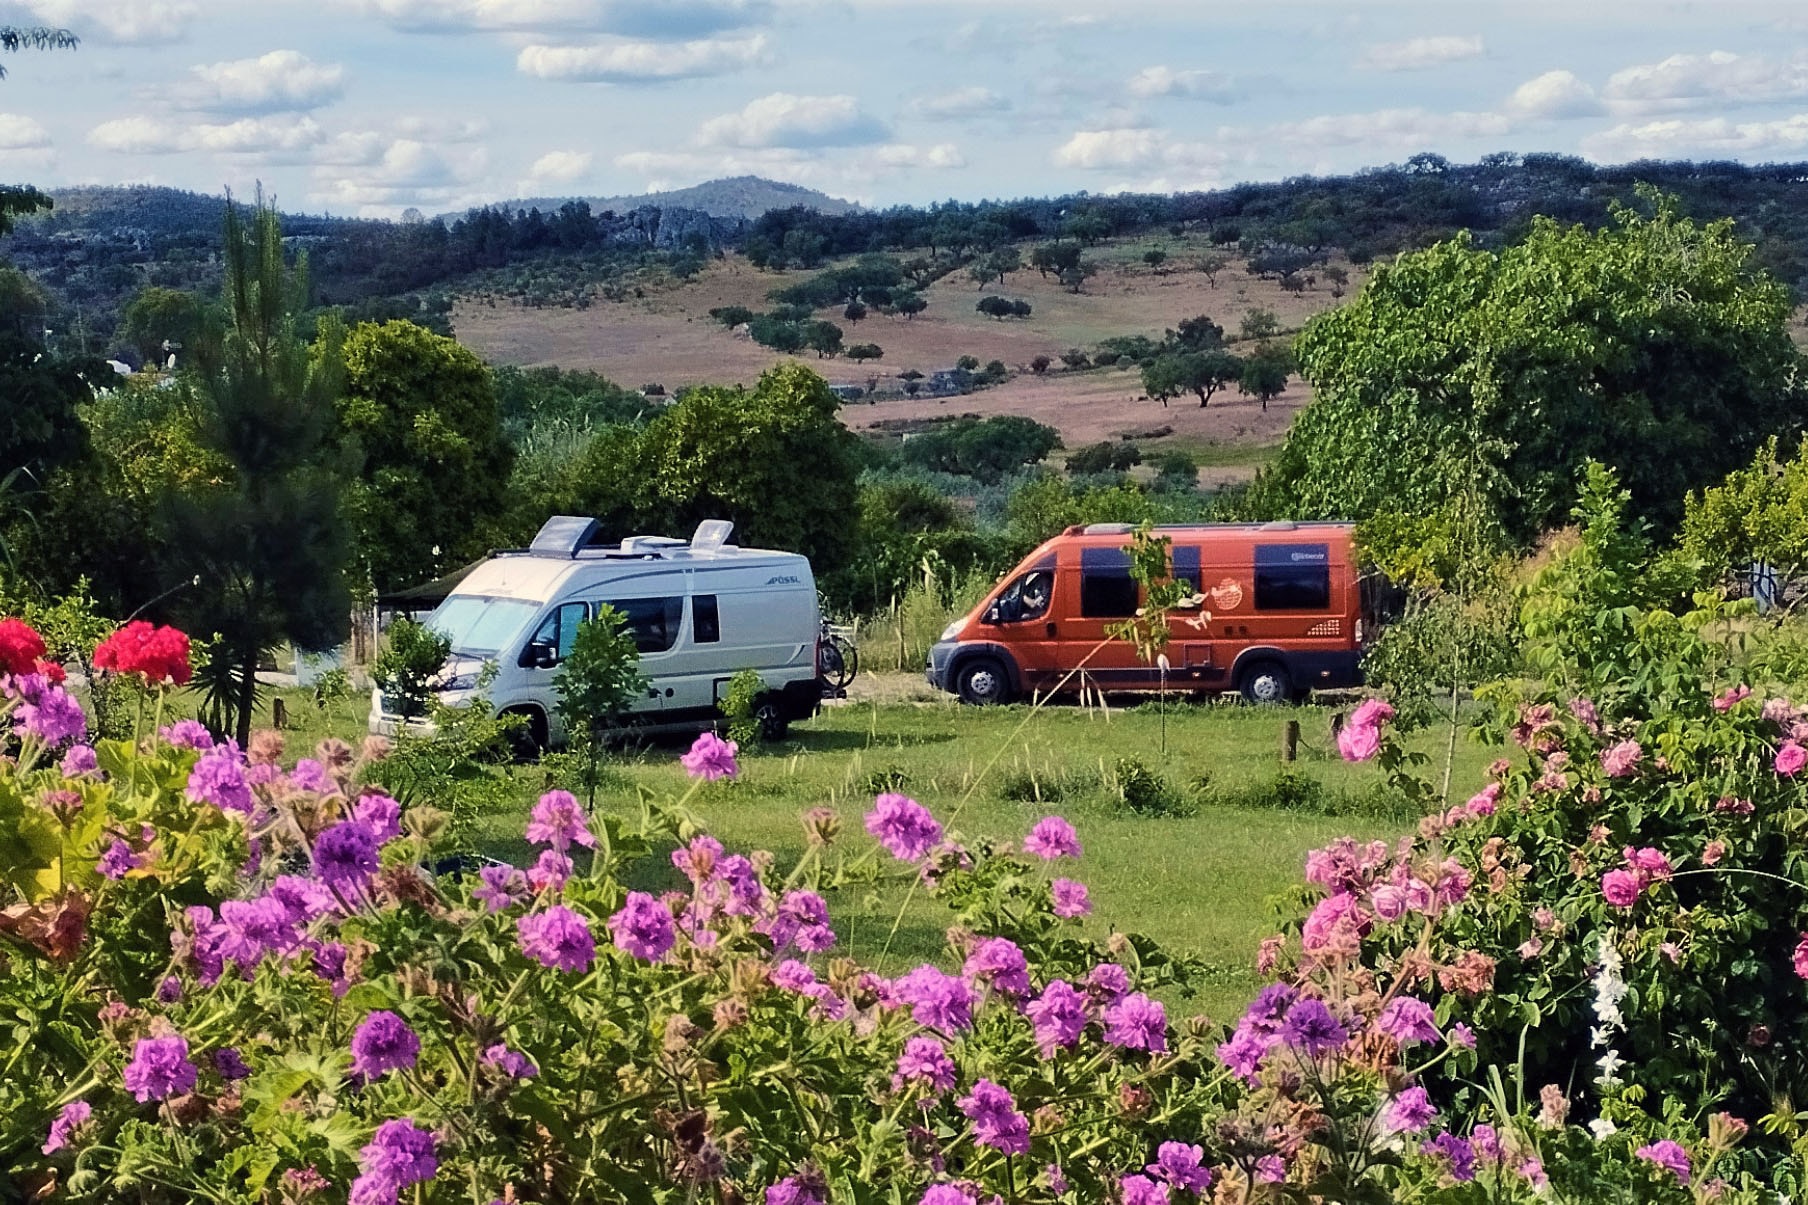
column 771, row 719
column 982, row 682
column 1267, row 684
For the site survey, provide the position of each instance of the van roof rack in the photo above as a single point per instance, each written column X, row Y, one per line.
column 1119, row 529
column 574, row 536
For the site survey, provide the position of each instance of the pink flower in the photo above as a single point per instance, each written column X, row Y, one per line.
column 643, row 927
column 1483, row 802
column 711, row 758
column 1649, row 863
column 1141, row 1190
column 1714, row 851
column 1622, row 759
column 1790, row 759
column 558, row 937
column 558, row 820
column 160, row 1069
column 73, row 1117
column 996, row 1121
column 1410, row 1111
column 1137, row 1023
column 924, row 1063
column 1052, row 838
column 1058, row 1015
column 1335, row 914
column 1801, row 957
column 1727, row 699
column 1071, row 899
column 1669, row 1156
column 1182, row 1165
column 903, row 826
column 1408, row 1019
column 999, row 961
column 1358, row 742
column 1372, row 713
column 1620, row 887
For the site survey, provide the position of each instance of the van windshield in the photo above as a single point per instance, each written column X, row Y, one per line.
column 479, row 625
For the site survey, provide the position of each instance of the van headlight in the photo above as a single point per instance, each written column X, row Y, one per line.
column 953, row 629
column 461, row 682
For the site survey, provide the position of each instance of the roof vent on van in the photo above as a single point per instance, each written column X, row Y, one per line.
column 1281, row 525
column 563, row 535
column 711, row 534
column 649, row 545
column 1108, row 529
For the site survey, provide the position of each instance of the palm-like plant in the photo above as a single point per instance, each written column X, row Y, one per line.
column 35, row 37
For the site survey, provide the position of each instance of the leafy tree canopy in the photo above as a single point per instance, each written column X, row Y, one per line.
column 1652, row 345
column 420, row 410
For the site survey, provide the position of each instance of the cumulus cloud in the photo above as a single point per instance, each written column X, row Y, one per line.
column 1416, row 54
column 784, row 120
column 1555, row 95
column 552, row 169
column 1200, row 85
column 1400, row 129
column 628, row 18
column 943, row 156
column 408, row 172
column 267, row 139
column 1132, row 149
column 1685, row 81
column 283, row 81
column 1715, row 137
column 22, row 133
column 628, row 62
column 126, row 22
column 962, row 102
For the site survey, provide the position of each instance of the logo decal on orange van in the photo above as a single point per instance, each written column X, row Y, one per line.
column 1227, row 595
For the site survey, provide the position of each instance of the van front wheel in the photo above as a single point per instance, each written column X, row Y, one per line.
column 1267, row 683
column 982, row 682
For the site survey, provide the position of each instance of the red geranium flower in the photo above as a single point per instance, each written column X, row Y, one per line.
column 20, row 647
column 53, row 672
column 160, row 654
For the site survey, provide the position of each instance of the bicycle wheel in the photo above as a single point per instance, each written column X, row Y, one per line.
column 838, row 662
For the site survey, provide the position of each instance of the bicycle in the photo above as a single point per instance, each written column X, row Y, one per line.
column 837, row 660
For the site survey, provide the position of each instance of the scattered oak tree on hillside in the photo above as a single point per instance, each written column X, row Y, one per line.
column 1260, row 323
column 1198, row 372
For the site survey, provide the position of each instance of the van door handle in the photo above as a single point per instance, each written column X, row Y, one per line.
column 1050, row 629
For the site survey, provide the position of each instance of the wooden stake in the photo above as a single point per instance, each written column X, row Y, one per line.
column 1290, row 741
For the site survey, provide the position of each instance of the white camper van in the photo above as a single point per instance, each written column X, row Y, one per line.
column 700, row 610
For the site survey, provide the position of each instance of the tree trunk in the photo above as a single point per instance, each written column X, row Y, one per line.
column 247, row 696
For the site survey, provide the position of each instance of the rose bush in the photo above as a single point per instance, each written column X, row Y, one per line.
column 231, row 979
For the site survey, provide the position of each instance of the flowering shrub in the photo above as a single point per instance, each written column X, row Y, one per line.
column 273, row 1001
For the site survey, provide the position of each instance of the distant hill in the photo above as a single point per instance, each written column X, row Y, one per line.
column 736, row 197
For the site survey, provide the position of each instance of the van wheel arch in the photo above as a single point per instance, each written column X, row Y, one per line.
column 1263, row 679
column 531, row 739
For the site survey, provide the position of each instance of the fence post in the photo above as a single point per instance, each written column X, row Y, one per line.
column 1290, row 741
column 279, row 713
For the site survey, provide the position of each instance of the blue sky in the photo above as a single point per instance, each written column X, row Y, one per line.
column 372, row 106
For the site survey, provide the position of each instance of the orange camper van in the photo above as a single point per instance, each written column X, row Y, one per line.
column 1277, row 612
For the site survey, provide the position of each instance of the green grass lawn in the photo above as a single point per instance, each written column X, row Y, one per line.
column 1203, row 883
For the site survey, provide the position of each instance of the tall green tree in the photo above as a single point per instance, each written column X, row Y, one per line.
column 774, row 459
column 1198, row 372
column 269, row 544
column 419, row 412
column 1653, row 346
column 159, row 316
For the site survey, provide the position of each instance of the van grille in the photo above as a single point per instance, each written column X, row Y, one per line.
column 1330, row 627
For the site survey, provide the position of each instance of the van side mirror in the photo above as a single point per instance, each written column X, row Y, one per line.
column 543, row 654
column 992, row 615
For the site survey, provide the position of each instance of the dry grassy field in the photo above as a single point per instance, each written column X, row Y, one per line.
column 668, row 337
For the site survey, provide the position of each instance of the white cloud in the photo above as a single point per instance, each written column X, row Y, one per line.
column 131, row 22
column 1555, row 95
column 1685, row 81
column 962, row 102
column 1716, row 137
column 1416, row 54
column 283, row 81
column 784, row 120
column 942, row 156
column 408, row 172
column 1201, row 85
column 629, row 18
column 266, row 139
column 552, row 169
column 640, row 62
column 269, row 139
column 1400, row 129
column 1132, row 149
column 22, row 133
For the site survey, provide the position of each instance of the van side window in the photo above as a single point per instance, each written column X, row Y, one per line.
column 1293, row 577
column 653, row 622
column 706, row 622
column 1107, row 591
column 1027, row 597
column 560, row 631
